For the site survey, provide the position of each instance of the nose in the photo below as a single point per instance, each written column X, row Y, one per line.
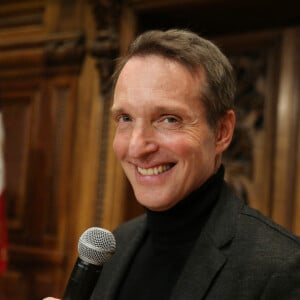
column 142, row 141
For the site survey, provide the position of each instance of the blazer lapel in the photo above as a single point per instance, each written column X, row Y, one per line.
column 200, row 270
column 207, row 257
column 203, row 265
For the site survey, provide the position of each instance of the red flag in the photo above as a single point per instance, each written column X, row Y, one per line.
column 3, row 231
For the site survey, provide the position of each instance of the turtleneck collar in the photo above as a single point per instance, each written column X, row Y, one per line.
column 189, row 215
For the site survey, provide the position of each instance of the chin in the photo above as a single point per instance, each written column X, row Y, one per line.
column 157, row 205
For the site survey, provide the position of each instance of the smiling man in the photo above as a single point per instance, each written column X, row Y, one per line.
column 165, row 145
column 173, row 109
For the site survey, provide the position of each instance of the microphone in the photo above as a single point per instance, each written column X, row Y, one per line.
column 95, row 247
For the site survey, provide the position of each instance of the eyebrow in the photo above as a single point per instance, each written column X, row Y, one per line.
column 116, row 110
column 170, row 109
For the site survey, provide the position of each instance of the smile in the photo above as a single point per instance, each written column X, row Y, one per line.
column 156, row 170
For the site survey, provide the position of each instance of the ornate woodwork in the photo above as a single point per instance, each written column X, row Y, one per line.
column 248, row 159
column 38, row 116
column 265, row 174
column 105, row 48
column 39, row 73
column 56, row 61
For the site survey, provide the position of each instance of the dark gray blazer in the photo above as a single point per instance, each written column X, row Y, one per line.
column 240, row 254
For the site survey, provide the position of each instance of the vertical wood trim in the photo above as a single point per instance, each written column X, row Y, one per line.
column 85, row 160
column 286, row 144
column 296, row 216
column 115, row 195
column 89, row 111
column 270, row 123
column 296, row 227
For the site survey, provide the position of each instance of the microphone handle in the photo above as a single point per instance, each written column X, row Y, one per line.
column 82, row 281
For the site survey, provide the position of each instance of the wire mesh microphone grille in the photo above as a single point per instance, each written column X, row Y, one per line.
column 96, row 246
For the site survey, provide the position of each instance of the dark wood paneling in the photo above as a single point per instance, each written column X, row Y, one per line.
column 56, row 109
column 38, row 121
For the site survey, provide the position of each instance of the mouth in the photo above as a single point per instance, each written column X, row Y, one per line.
column 155, row 170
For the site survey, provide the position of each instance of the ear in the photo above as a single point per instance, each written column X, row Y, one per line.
column 224, row 131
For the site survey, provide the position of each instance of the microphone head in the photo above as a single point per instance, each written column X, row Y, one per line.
column 96, row 246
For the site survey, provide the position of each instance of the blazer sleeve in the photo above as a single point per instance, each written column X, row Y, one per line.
column 284, row 285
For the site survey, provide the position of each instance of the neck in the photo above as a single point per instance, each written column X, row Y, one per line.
column 191, row 212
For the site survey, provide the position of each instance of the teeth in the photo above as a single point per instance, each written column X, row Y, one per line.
column 154, row 171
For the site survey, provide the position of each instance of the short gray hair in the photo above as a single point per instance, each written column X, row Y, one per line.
column 193, row 52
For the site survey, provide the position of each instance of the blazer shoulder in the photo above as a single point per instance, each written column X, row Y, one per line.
column 265, row 229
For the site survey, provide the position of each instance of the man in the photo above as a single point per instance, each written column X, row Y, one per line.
column 173, row 108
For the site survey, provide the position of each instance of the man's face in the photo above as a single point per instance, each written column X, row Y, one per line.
column 162, row 139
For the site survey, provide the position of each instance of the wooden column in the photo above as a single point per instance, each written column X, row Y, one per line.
column 286, row 175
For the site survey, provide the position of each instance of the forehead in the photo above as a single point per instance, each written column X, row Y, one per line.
column 155, row 81
column 159, row 73
column 160, row 60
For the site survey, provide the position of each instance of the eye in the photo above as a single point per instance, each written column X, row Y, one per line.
column 169, row 122
column 170, row 119
column 123, row 118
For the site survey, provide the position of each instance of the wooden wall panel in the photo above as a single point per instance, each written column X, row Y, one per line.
column 56, row 58
column 40, row 81
column 296, row 215
column 17, row 113
column 38, row 120
column 287, row 149
column 250, row 157
column 262, row 163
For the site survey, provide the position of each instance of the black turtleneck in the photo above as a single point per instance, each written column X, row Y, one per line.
column 170, row 238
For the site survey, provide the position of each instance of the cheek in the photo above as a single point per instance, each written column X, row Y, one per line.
column 182, row 146
column 194, row 146
column 119, row 146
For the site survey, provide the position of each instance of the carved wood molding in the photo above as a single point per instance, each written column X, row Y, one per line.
column 106, row 45
column 141, row 5
column 40, row 54
column 104, row 49
column 14, row 15
column 65, row 51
